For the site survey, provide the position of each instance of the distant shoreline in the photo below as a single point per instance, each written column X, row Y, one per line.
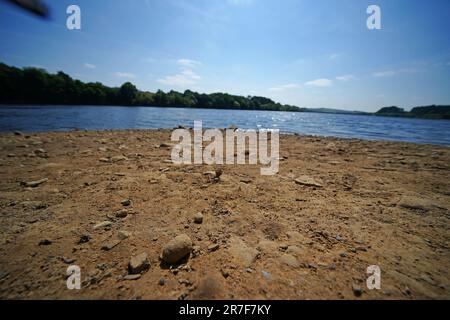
column 407, row 115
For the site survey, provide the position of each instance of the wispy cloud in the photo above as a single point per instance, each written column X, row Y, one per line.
column 124, row 75
column 188, row 63
column 346, row 77
column 184, row 78
column 89, row 66
column 284, row 87
column 333, row 56
column 320, row 83
column 391, row 73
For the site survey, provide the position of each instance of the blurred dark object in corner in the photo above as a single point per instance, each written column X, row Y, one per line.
column 34, row 6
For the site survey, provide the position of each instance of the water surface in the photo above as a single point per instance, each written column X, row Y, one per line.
column 61, row 118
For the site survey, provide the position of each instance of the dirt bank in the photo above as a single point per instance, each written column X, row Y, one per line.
column 260, row 237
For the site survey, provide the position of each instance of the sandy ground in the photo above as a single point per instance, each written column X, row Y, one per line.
column 262, row 237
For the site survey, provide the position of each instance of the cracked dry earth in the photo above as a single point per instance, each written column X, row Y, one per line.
column 335, row 207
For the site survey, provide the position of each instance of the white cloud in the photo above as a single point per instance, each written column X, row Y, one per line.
column 391, row 73
column 382, row 74
column 284, row 87
column 320, row 83
column 346, row 77
column 333, row 56
column 188, row 63
column 184, row 78
column 124, row 75
column 89, row 66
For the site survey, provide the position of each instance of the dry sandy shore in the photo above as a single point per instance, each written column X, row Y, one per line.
column 262, row 237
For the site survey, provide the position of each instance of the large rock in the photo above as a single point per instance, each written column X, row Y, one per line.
column 177, row 249
column 138, row 264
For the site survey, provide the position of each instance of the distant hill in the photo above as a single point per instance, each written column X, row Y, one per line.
column 426, row 112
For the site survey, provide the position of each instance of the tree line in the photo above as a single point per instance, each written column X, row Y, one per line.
column 427, row 112
column 37, row 86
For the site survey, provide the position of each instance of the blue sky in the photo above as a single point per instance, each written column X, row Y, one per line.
column 310, row 53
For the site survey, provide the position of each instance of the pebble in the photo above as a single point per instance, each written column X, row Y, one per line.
column 68, row 260
column 126, row 202
column 357, row 290
column 131, row 277
column 102, row 225
column 122, row 213
column 308, row 181
column 138, row 264
column 122, row 235
column 110, row 245
column 225, row 273
column 198, row 218
column 84, row 238
column 213, row 247
column 162, row 282
column 45, row 242
column 34, row 184
column 118, row 158
column 176, row 249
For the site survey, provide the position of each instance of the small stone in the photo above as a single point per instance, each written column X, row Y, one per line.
column 126, row 202
column 131, row 277
column 122, row 213
column 68, row 260
column 198, row 218
column 122, row 235
column 225, row 273
column 218, row 173
column 308, row 181
column 177, row 249
column 34, row 184
column 84, row 238
column 213, row 247
column 18, row 133
column 246, row 180
column 357, row 290
column 103, row 225
column 103, row 160
column 119, row 158
column 45, row 242
column 39, row 151
column 164, row 145
column 162, row 282
column 110, row 245
column 138, row 264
